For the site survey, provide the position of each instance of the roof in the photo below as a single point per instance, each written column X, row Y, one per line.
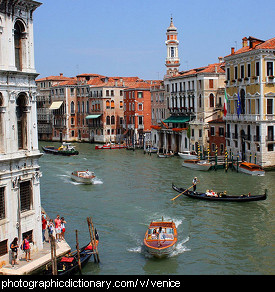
column 54, row 78
column 255, row 44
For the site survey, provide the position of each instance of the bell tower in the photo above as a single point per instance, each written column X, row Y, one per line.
column 172, row 62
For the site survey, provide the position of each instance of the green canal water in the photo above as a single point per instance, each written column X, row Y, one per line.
column 133, row 188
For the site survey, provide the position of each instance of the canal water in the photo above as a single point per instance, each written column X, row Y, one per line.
column 133, row 188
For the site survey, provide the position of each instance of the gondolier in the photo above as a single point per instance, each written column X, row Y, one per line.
column 195, row 181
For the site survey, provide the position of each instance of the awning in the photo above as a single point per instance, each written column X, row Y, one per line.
column 92, row 117
column 177, row 119
column 56, row 105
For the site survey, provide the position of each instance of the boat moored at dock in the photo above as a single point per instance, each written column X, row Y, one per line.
column 110, row 146
column 197, row 164
column 188, row 155
column 250, row 168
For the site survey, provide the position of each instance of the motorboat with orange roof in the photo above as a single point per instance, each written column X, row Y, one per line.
column 161, row 238
column 250, row 168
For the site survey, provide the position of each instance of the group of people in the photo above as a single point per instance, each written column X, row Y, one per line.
column 57, row 225
column 25, row 246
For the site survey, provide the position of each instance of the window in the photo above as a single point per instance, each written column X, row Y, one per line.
column 212, row 131
column 3, row 247
column 242, row 71
column 121, row 104
column 172, row 52
column 211, row 83
column 257, row 73
column 112, row 104
column 21, row 115
column 140, row 106
column 112, row 120
column 270, row 106
column 2, row 203
column 25, row 196
column 107, row 103
column 236, row 72
column 269, row 68
column 248, row 70
column 18, row 42
column 228, row 73
column 140, row 94
column 72, row 107
column 140, row 120
column 108, row 120
column 211, row 100
column 221, row 131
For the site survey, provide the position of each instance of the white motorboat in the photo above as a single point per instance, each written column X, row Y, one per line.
column 197, row 164
column 188, row 155
column 83, row 176
column 250, row 168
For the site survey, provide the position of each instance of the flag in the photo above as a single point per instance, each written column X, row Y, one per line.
column 225, row 103
column 239, row 109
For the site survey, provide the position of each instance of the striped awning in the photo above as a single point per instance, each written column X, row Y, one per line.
column 56, row 105
column 92, row 117
column 177, row 119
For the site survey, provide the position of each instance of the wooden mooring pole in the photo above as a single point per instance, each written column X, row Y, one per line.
column 77, row 249
column 53, row 255
column 93, row 239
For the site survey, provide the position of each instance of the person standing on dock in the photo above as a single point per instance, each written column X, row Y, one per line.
column 57, row 223
column 194, row 182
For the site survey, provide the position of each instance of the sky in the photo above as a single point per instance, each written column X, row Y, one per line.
column 127, row 37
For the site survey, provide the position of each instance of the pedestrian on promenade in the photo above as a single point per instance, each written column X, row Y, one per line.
column 44, row 226
column 50, row 228
column 25, row 246
column 63, row 222
column 14, row 251
column 57, row 223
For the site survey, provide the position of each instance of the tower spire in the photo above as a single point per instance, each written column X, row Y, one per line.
column 172, row 60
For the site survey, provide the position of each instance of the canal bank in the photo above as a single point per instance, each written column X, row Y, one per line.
column 133, row 189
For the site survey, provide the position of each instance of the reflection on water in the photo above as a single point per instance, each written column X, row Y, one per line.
column 133, row 189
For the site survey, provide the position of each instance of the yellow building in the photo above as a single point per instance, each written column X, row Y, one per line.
column 250, row 88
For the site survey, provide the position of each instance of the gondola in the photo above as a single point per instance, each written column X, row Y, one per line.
column 68, row 265
column 220, row 196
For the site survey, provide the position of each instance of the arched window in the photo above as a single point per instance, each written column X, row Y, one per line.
column 112, row 120
column 112, row 104
column 107, row 103
column 242, row 98
column 211, row 100
column 21, row 115
column 18, row 44
column 72, row 107
column 108, row 120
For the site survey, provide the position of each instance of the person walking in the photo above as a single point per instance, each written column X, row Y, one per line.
column 63, row 222
column 14, row 251
column 57, row 223
column 26, row 248
column 44, row 226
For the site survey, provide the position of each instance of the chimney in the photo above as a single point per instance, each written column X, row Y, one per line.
column 232, row 50
column 61, row 74
column 245, row 44
column 220, row 59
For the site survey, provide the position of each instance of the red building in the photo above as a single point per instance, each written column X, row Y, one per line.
column 137, row 110
column 217, row 137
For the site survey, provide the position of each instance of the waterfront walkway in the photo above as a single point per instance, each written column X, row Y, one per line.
column 39, row 260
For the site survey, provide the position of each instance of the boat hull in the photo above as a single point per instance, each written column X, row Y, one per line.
column 187, row 156
column 54, row 151
column 196, row 164
column 221, row 197
column 100, row 147
column 82, row 180
column 161, row 244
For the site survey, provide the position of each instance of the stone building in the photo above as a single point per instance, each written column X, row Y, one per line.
column 20, row 205
column 250, row 88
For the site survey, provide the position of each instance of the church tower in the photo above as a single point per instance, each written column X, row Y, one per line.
column 172, row 60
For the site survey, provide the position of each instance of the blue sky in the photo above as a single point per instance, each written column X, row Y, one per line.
column 127, row 37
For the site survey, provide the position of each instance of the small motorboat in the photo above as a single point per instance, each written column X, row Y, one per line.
column 188, row 155
column 151, row 150
column 110, row 146
column 66, row 149
column 68, row 265
column 160, row 238
column 197, row 164
column 166, row 155
column 222, row 196
column 83, row 176
column 250, row 168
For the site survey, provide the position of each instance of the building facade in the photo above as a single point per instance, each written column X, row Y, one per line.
column 20, row 205
column 250, row 88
